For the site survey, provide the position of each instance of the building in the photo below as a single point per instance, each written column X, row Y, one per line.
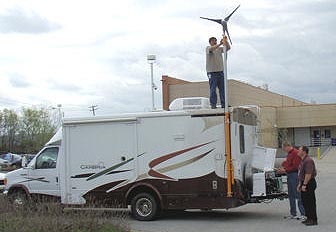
column 280, row 117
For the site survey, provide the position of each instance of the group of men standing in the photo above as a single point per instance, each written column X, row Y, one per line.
column 301, row 173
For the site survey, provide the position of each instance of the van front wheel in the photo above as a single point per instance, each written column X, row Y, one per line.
column 144, row 207
column 19, row 198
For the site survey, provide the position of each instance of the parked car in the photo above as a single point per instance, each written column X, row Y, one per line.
column 3, row 163
column 2, row 181
column 10, row 161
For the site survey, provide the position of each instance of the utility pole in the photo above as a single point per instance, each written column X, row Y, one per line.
column 59, row 106
column 60, row 114
column 93, row 108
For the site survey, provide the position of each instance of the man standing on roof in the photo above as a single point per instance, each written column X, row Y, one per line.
column 215, row 69
column 291, row 166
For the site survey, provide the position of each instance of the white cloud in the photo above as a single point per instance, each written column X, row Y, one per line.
column 79, row 53
column 16, row 20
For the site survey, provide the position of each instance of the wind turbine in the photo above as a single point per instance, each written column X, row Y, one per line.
column 229, row 163
column 224, row 22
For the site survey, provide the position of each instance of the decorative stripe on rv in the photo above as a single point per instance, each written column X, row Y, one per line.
column 162, row 159
column 85, row 175
column 40, row 179
column 106, row 171
column 159, row 174
column 115, row 172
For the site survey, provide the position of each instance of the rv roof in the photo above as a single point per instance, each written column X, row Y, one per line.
column 128, row 117
column 135, row 116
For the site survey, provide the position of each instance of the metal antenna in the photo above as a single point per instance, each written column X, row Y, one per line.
column 224, row 22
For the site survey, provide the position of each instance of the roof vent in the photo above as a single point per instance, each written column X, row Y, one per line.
column 189, row 103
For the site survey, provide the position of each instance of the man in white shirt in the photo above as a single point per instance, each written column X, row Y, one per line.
column 215, row 69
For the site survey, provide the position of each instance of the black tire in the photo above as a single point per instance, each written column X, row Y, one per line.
column 19, row 198
column 144, row 207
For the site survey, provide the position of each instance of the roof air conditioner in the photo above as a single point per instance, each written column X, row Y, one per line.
column 189, row 103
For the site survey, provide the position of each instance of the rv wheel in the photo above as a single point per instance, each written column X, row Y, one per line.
column 144, row 207
column 19, row 198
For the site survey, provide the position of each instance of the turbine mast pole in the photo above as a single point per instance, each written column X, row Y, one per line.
column 229, row 164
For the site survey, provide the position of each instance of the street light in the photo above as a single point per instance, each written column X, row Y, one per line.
column 60, row 114
column 151, row 60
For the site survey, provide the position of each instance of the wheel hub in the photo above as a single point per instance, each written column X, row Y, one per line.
column 144, row 207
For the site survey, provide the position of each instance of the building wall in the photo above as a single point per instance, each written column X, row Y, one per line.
column 166, row 92
column 194, row 89
column 244, row 94
column 239, row 93
column 268, row 127
column 307, row 116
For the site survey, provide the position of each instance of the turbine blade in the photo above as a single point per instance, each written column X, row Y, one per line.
column 215, row 20
column 228, row 17
column 227, row 32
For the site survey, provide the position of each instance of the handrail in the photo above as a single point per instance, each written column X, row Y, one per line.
column 315, row 142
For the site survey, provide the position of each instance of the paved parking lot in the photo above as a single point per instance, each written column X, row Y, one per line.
column 255, row 217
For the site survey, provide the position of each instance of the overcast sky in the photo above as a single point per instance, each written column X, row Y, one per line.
column 82, row 53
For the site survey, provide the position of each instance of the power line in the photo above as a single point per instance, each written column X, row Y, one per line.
column 93, row 108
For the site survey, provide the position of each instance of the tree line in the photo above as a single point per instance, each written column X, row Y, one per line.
column 25, row 131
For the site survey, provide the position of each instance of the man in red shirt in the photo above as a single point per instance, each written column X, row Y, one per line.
column 290, row 166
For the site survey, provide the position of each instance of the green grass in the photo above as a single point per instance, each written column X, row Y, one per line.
column 51, row 218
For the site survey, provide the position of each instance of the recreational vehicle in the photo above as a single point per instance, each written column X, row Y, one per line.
column 153, row 161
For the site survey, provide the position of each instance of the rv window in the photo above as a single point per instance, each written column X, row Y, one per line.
column 47, row 159
column 242, row 139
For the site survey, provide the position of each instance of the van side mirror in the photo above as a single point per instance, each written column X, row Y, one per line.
column 24, row 162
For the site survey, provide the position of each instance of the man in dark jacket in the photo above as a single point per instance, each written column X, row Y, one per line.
column 290, row 166
column 307, row 186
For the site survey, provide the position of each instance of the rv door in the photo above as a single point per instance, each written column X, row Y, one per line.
column 42, row 177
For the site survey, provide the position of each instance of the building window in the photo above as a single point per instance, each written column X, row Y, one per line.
column 242, row 139
column 327, row 134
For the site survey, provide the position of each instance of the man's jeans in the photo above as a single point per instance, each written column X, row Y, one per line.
column 216, row 79
column 293, row 194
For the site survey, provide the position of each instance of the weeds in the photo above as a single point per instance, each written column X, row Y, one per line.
column 50, row 217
